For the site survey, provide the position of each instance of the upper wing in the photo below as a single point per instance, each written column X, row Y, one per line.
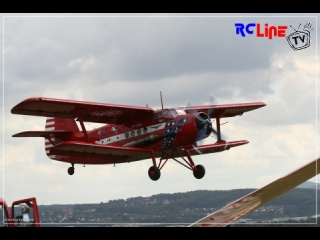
column 225, row 110
column 88, row 111
column 252, row 201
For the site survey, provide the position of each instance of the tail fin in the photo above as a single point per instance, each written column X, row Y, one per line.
column 61, row 124
column 55, row 126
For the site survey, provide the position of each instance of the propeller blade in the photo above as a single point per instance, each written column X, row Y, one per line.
column 195, row 148
column 192, row 111
column 201, row 135
column 213, row 101
column 200, row 124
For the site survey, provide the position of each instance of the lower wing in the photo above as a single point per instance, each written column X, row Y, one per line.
column 216, row 147
column 123, row 154
column 127, row 154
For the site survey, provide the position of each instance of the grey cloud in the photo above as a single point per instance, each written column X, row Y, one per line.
column 127, row 48
column 88, row 53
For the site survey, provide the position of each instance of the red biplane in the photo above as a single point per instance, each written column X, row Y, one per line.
column 131, row 133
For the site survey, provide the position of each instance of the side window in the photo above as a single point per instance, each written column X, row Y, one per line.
column 156, row 116
column 159, row 115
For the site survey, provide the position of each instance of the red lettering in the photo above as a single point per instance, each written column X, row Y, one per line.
column 258, row 31
column 266, row 30
column 274, row 29
column 282, row 31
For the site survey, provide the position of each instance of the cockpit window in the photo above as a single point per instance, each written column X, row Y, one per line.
column 173, row 112
column 181, row 112
column 167, row 114
column 161, row 115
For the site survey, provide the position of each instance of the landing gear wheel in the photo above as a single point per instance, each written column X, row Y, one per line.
column 154, row 173
column 199, row 171
column 71, row 170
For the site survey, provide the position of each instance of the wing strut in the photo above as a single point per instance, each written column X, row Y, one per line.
column 218, row 129
column 189, row 158
column 50, row 140
column 153, row 158
column 83, row 127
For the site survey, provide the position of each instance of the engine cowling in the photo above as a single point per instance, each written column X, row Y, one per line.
column 203, row 124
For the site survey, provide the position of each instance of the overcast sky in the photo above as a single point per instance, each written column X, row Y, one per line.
column 129, row 59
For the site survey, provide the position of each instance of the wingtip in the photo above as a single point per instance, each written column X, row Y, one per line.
column 263, row 104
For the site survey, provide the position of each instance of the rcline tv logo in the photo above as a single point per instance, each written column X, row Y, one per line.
column 300, row 39
column 268, row 32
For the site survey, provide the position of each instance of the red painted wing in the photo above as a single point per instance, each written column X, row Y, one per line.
column 225, row 110
column 252, row 201
column 45, row 134
column 128, row 154
column 89, row 111
column 88, row 150
column 217, row 147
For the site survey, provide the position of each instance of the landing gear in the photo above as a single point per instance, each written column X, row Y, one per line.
column 154, row 173
column 155, row 170
column 71, row 170
column 199, row 171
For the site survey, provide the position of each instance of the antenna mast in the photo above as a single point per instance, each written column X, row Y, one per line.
column 161, row 99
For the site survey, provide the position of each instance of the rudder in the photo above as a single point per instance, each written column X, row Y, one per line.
column 53, row 124
column 61, row 124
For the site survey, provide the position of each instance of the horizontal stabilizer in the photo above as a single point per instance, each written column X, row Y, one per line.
column 45, row 134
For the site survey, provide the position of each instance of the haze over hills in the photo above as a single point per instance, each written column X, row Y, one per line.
column 311, row 185
column 183, row 208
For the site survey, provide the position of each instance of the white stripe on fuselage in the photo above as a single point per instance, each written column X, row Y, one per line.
column 122, row 136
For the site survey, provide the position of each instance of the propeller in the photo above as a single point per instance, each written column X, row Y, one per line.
column 203, row 123
column 207, row 124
